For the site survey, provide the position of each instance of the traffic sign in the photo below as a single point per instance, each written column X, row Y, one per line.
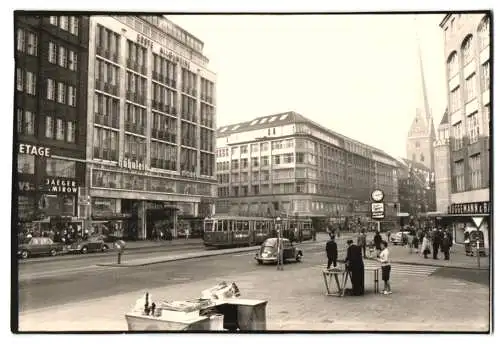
column 478, row 220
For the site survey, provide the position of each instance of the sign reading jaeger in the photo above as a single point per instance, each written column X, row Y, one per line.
column 61, row 185
column 25, row 148
column 469, row 208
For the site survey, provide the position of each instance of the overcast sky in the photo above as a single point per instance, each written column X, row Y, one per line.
column 354, row 74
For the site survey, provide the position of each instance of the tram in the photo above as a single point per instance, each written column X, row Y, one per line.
column 232, row 231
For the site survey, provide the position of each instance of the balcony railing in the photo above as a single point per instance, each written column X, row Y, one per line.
column 134, row 128
column 106, row 120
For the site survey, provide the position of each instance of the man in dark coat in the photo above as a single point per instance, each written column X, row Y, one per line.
column 436, row 243
column 331, row 251
column 356, row 267
column 377, row 240
column 445, row 246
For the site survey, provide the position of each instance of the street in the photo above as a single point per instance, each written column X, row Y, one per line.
column 296, row 295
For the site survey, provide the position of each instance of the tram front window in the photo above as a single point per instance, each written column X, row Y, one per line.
column 209, row 226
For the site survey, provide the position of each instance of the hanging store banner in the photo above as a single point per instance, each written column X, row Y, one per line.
column 469, row 208
column 60, row 185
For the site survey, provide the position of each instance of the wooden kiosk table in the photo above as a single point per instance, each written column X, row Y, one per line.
column 330, row 275
column 238, row 314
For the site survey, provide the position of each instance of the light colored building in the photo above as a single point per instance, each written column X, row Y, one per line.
column 286, row 163
column 467, row 51
column 151, row 125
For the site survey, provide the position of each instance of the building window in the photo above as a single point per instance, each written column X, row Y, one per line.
column 452, row 64
column 254, row 148
column 475, row 171
column 106, row 144
column 49, row 127
column 72, row 60
column 70, row 131
column 71, row 96
column 25, row 164
column 264, row 161
column 63, row 23
column 53, row 20
column 457, row 136
column 470, row 87
column 61, row 93
column 63, row 57
column 473, row 127
column 19, row 79
column 59, row 130
column 51, row 89
column 458, row 176
column 25, row 122
column 32, row 44
column 243, row 149
column 31, row 83
column 264, row 146
column 455, row 100
column 485, row 73
column 467, row 51
column 484, row 32
column 60, row 168
column 52, row 52
column 73, row 25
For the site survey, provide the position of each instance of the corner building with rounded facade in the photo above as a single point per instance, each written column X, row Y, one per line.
column 151, row 126
column 287, row 164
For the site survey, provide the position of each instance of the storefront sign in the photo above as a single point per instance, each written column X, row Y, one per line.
column 34, row 150
column 188, row 174
column 469, row 208
column 132, row 165
column 145, row 42
column 177, row 59
column 26, row 186
column 60, row 185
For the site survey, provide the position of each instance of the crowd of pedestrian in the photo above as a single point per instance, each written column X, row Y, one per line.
column 67, row 234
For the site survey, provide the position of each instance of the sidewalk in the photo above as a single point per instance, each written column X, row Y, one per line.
column 132, row 245
column 458, row 259
column 297, row 301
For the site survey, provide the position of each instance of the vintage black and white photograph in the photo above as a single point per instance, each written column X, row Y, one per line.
column 242, row 172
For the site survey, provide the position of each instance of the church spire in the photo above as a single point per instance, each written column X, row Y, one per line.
column 422, row 101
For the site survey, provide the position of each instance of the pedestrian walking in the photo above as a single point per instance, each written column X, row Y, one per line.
column 445, row 246
column 187, row 233
column 331, row 252
column 386, row 268
column 426, row 246
column 436, row 243
column 415, row 243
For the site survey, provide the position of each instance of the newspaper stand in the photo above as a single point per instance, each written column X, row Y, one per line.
column 238, row 314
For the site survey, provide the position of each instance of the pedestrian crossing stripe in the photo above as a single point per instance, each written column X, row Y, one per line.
column 398, row 269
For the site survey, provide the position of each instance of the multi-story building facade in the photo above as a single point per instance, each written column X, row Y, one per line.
column 442, row 163
column 50, row 115
column 151, row 125
column 286, row 163
column 468, row 51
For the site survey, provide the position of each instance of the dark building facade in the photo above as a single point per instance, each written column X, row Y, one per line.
column 417, row 190
column 51, row 58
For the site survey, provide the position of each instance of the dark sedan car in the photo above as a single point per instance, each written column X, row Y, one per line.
column 268, row 252
column 92, row 244
column 39, row 246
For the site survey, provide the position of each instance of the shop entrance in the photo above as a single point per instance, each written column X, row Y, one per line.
column 160, row 221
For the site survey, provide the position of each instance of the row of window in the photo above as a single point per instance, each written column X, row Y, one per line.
column 25, row 122
column 470, row 90
column 136, row 57
column 472, row 129
column 66, row 23
column 107, row 43
column 164, row 70
column 62, row 56
column 299, row 158
column 105, row 144
column 164, row 128
column 207, row 90
column 475, row 174
column 188, row 160
column 27, row 42
column 135, row 148
column 60, row 129
column 188, row 134
column 206, row 164
column 207, row 139
column 163, row 156
column 53, row 167
column 106, row 110
column 66, row 94
column 189, row 82
column 108, row 73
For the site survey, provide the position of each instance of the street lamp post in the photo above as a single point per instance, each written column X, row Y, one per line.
column 279, row 265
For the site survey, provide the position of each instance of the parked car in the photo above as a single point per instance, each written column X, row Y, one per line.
column 92, row 244
column 268, row 252
column 39, row 246
column 397, row 239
